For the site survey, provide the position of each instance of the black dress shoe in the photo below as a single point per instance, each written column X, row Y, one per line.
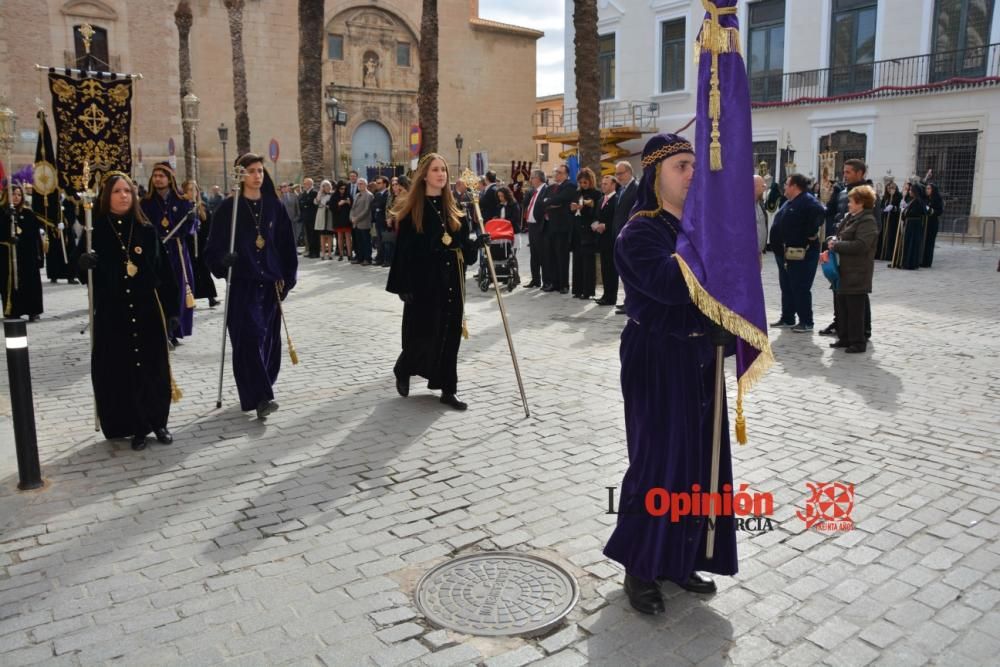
column 548, row 288
column 829, row 331
column 72, row 281
column 139, row 443
column 697, row 583
column 174, row 341
column 264, row 408
column 644, row 596
column 839, row 343
column 564, row 290
column 403, row 386
column 452, row 400
column 532, row 284
column 619, row 310
column 857, row 348
column 602, row 302
column 163, row 435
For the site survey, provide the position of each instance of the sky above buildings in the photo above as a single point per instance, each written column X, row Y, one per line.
column 544, row 15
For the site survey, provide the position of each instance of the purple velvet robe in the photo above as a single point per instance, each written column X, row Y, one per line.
column 668, row 382
column 254, row 320
column 173, row 210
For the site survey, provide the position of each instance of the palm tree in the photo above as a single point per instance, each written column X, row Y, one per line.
column 235, row 10
column 427, row 101
column 311, row 86
column 588, row 98
column 184, row 20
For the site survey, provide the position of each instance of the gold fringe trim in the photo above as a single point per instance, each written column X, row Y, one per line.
column 716, row 39
column 175, row 391
column 738, row 326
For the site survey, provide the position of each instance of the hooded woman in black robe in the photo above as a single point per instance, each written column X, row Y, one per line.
column 428, row 274
column 134, row 305
column 935, row 206
column 26, row 299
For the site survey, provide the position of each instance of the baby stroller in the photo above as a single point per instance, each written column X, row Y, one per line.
column 504, row 256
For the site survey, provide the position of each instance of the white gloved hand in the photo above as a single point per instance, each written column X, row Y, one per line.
column 61, row 226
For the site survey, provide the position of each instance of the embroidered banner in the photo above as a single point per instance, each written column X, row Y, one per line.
column 93, row 120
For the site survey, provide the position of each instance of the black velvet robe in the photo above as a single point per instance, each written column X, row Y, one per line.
column 434, row 275
column 27, row 299
column 129, row 365
column 204, row 286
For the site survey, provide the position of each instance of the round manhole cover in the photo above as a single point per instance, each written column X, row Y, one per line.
column 496, row 594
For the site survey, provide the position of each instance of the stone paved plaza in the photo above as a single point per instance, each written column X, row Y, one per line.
column 300, row 541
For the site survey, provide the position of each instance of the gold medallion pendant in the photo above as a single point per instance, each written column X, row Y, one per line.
column 446, row 238
column 131, row 269
column 260, row 242
column 165, row 222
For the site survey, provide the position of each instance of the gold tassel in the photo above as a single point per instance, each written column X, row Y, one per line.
column 715, row 154
column 741, row 422
column 292, row 353
column 189, row 298
column 465, row 330
column 175, row 392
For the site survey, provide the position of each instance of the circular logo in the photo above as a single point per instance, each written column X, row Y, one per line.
column 46, row 178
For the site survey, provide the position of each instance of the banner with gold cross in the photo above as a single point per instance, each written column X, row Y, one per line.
column 93, row 119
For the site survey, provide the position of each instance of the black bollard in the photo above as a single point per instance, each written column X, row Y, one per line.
column 23, row 410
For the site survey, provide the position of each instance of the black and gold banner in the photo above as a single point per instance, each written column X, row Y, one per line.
column 93, row 119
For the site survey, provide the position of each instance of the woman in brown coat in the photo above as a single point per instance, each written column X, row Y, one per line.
column 855, row 244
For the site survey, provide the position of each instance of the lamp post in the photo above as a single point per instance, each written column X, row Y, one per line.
column 458, row 144
column 189, row 111
column 331, row 113
column 223, row 137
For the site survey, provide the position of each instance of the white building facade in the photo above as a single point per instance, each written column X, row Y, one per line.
column 906, row 85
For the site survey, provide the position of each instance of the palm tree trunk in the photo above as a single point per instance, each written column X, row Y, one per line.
column 235, row 11
column 184, row 20
column 427, row 101
column 311, row 86
column 588, row 98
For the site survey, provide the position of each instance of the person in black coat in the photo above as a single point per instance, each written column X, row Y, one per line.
column 584, row 234
column 428, row 275
column 307, row 214
column 380, row 205
column 935, row 206
column 558, row 230
column 22, row 296
column 508, row 208
column 606, row 240
column 627, row 192
column 534, row 223
column 135, row 305
column 204, row 285
column 489, row 201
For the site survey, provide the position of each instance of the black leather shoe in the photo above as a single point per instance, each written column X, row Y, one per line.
column 829, row 331
column 264, row 408
column 452, row 400
column 564, row 290
column 548, row 288
column 644, row 596
column 856, row 349
column 403, row 386
column 697, row 583
column 163, row 436
column 532, row 284
column 72, row 281
column 139, row 443
column 619, row 310
column 839, row 343
column 602, row 302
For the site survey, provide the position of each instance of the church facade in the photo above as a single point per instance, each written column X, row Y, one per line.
column 370, row 65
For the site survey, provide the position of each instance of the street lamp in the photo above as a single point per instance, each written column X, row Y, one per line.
column 458, row 144
column 189, row 111
column 223, row 137
column 8, row 127
column 337, row 117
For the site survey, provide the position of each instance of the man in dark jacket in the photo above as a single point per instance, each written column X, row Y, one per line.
column 380, row 186
column 606, row 240
column 489, row 202
column 307, row 214
column 558, row 229
column 628, row 187
column 836, row 210
column 795, row 241
column 534, row 222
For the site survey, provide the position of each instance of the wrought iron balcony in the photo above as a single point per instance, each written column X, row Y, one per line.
column 947, row 70
column 631, row 115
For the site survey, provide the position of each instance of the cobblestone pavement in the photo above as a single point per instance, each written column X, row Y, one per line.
column 300, row 540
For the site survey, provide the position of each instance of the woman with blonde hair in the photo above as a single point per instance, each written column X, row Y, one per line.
column 324, row 220
column 428, row 273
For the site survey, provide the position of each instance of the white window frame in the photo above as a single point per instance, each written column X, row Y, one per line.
column 615, row 97
column 671, row 11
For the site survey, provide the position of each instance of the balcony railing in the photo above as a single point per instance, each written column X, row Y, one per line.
column 621, row 114
column 947, row 70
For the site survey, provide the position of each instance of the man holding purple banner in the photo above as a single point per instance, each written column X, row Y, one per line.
column 689, row 260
